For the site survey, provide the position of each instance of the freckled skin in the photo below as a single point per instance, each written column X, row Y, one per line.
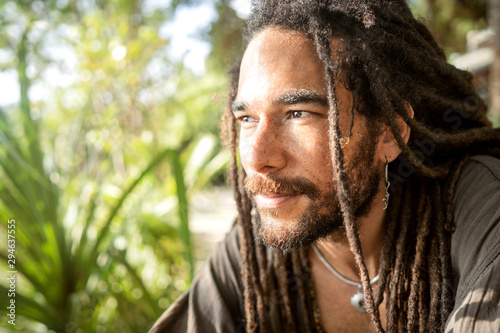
column 277, row 144
column 270, row 141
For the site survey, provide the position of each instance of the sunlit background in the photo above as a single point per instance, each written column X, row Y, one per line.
column 110, row 158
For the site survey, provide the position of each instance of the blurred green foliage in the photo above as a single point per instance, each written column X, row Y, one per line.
column 98, row 172
column 450, row 20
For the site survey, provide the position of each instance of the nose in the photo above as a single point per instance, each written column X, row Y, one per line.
column 265, row 150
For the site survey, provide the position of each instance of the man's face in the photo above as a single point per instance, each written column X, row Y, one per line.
column 284, row 147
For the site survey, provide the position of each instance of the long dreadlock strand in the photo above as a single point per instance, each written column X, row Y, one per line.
column 397, row 277
column 243, row 216
column 445, row 260
column 422, row 301
column 253, row 267
column 422, row 233
column 243, row 222
column 284, row 295
column 262, row 262
column 323, row 49
column 436, row 286
column 299, row 276
column 389, row 245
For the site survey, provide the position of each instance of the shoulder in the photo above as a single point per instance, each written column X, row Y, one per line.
column 214, row 302
column 477, row 194
column 476, row 214
column 475, row 247
column 479, row 171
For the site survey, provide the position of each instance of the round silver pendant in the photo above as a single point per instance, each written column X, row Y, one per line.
column 358, row 301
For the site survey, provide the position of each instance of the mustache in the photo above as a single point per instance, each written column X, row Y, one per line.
column 274, row 184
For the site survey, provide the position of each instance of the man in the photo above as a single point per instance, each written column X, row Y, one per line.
column 368, row 196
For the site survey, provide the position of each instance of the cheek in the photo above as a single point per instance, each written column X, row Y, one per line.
column 243, row 147
column 312, row 151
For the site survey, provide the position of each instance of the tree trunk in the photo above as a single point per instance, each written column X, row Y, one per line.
column 494, row 80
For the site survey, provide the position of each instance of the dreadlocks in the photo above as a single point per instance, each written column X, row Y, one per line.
column 389, row 60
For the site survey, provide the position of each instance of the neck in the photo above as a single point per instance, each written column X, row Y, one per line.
column 337, row 251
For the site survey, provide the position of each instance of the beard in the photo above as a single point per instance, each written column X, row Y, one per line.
column 322, row 217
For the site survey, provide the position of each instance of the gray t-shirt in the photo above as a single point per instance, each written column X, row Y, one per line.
column 214, row 302
column 475, row 248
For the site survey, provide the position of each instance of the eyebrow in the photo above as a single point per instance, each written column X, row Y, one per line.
column 301, row 96
column 239, row 106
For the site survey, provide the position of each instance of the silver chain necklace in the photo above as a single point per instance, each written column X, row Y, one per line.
column 357, row 300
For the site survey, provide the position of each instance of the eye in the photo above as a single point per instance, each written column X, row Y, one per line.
column 298, row 114
column 245, row 119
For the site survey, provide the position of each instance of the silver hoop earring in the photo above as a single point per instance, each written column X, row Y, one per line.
column 387, row 184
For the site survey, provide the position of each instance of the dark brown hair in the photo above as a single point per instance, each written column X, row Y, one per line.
column 388, row 59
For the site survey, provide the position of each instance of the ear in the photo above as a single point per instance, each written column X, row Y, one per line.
column 388, row 148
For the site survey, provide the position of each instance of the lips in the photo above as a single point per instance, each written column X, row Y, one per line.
column 273, row 201
column 274, row 192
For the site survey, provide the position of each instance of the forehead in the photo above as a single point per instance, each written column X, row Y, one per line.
column 278, row 59
column 278, row 43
